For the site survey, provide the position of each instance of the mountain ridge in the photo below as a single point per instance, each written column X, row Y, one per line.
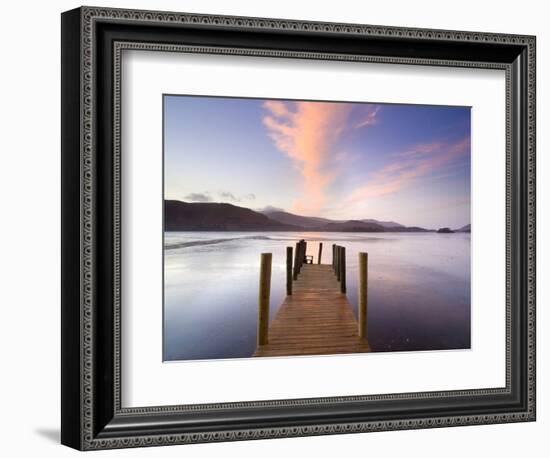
column 317, row 222
column 213, row 216
column 466, row 228
column 296, row 220
column 219, row 216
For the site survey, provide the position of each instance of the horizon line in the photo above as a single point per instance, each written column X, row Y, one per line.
column 305, row 216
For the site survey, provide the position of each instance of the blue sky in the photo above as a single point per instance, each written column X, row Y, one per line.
column 406, row 163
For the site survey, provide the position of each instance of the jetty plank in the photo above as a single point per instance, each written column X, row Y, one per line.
column 316, row 319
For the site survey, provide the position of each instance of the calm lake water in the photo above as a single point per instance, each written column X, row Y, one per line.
column 419, row 288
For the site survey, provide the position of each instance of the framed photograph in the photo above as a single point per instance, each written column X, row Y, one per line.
column 276, row 228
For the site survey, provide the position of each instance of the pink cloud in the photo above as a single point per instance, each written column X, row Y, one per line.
column 307, row 132
column 409, row 166
column 370, row 117
column 277, row 108
column 424, row 148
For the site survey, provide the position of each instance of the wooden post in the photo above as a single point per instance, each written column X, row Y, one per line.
column 333, row 256
column 363, row 293
column 296, row 258
column 263, row 298
column 299, row 248
column 320, row 252
column 304, row 253
column 343, row 269
column 338, row 252
column 289, row 270
column 299, row 258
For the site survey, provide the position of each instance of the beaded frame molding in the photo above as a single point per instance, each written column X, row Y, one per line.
column 92, row 42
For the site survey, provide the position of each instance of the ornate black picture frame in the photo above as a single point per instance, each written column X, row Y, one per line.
column 92, row 415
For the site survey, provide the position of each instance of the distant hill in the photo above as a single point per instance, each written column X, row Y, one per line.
column 315, row 222
column 210, row 216
column 353, row 226
column 407, row 229
column 368, row 226
column 389, row 224
column 297, row 220
column 466, row 228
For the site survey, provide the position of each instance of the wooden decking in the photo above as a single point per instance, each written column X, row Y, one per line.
column 316, row 319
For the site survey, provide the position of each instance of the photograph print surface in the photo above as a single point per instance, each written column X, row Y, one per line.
column 296, row 228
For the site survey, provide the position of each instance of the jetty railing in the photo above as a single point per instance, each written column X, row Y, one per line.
column 300, row 257
column 293, row 270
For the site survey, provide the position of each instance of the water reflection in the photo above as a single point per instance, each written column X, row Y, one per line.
column 419, row 289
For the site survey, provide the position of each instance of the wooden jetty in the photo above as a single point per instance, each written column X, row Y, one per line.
column 316, row 317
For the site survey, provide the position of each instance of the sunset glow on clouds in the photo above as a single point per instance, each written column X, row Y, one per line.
column 408, row 163
column 407, row 167
column 308, row 132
